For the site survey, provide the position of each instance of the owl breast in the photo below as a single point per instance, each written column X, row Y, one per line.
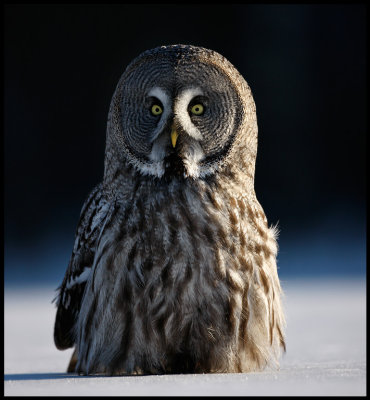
column 159, row 295
column 174, row 266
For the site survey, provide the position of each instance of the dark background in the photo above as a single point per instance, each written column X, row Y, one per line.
column 305, row 64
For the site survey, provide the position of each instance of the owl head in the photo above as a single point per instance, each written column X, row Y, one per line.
column 181, row 111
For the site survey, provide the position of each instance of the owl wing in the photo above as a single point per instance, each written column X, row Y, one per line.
column 92, row 219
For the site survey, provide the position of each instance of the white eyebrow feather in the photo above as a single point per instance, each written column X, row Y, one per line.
column 161, row 95
column 181, row 111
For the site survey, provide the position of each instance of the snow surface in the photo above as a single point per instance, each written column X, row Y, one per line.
column 326, row 350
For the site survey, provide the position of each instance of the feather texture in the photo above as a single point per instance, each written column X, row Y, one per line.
column 174, row 265
column 70, row 293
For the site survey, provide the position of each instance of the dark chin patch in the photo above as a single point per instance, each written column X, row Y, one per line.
column 174, row 166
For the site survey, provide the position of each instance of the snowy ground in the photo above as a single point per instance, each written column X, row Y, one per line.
column 326, row 350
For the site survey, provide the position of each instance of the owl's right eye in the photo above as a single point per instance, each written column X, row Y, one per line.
column 156, row 109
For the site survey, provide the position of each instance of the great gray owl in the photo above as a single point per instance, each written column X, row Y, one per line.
column 173, row 269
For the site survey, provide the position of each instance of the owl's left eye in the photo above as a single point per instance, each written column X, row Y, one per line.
column 156, row 109
column 197, row 109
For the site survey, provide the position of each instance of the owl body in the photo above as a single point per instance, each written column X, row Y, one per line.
column 174, row 265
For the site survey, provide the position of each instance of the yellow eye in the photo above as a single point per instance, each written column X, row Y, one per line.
column 156, row 109
column 197, row 109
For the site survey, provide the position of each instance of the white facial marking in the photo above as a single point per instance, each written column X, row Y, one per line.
column 181, row 111
column 193, row 152
column 161, row 95
column 192, row 155
column 166, row 102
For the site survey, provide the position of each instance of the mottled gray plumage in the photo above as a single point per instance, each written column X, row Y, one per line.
column 174, row 265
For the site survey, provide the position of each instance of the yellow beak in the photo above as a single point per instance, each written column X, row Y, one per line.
column 174, row 136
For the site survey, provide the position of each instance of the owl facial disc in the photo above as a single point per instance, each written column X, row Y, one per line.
column 179, row 100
